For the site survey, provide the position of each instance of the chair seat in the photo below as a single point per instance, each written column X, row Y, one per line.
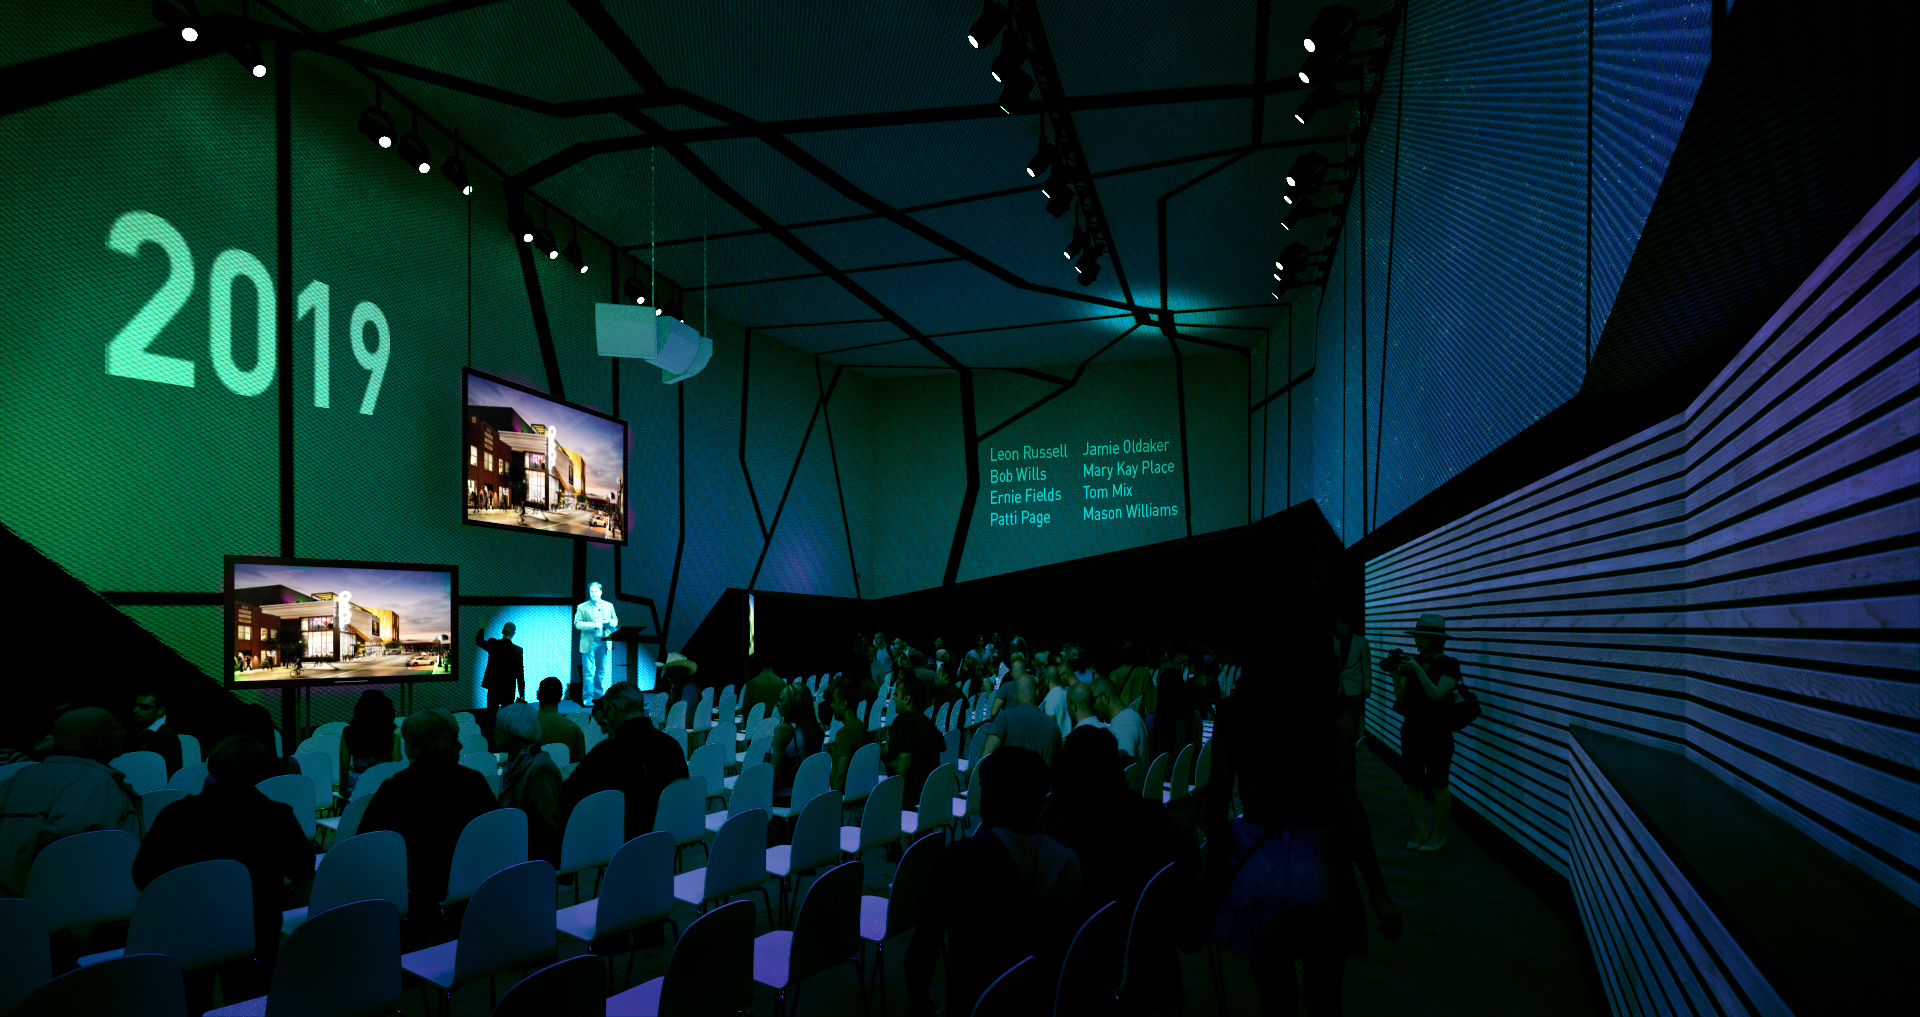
column 716, row 820
column 642, row 1000
column 959, row 808
column 327, row 822
column 105, row 955
column 780, row 860
column 962, row 764
column 729, row 782
column 691, row 886
column 786, row 811
column 873, row 919
column 434, row 964
column 850, row 839
column 578, row 921
column 771, row 953
column 292, row 919
column 255, row 1007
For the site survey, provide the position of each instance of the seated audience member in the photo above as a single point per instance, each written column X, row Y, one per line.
column 1126, row 724
column 230, row 818
column 944, row 688
column 1023, row 725
column 429, row 803
column 1054, row 702
column 73, row 791
column 153, row 733
column 370, row 738
column 913, row 744
column 1080, row 708
column 796, row 737
column 532, row 781
column 1005, row 893
column 557, row 728
column 845, row 698
column 636, row 759
column 1175, row 724
column 762, row 687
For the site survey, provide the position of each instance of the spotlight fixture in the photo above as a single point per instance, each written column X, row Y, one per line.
column 543, row 240
column 1332, row 30
column 1327, row 69
column 414, row 150
column 1018, row 85
column 1059, row 196
column 1299, row 211
column 1089, row 267
column 635, row 290
column 1293, row 258
column 1013, row 53
column 992, row 18
column 1077, row 244
column 247, row 53
column 1323, row 97
column 575, row 256
column 1309, row 172
column 377, row 124
column 1287, row 279
column 176, row 19
column 521, row 225
column 1043, row 158
column 455, row 170
column 672, row 306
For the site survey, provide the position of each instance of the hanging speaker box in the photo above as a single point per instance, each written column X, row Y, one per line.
column 624, row 330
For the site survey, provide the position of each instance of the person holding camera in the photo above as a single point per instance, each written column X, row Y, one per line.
column 1423, row 687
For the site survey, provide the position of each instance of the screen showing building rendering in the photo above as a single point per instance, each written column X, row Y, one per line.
column 536, row 464
column 315, row 622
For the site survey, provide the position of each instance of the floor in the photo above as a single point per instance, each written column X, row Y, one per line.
column 1477, row 941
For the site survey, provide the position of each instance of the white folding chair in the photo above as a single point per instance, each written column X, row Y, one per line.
column 950, row 752
column 1151, row 784
column 863, row 772
column 331, row 729
column 363, row 867
column 577, row 985
column 975, row 750
column 710, row 972
column 815, row 843
column 682, row 811
column 878, row 716
column 472, row 741
column 508, row 924
column 484, row 764
column 199, row 915
column 710, row 762
column 1091, row 968
column 860, row 710
column 738, row 864
column 190, row 778
column 882, row 918
column 145, row 771
column 1135, row 773
column 85, row 879
column 966, row 807
column 347, row 823
column 934, row 811
column 558, row 752
column 755, row 791
column 189, row 750
column 317, row 767
column 703, row 712
column 345, row 961
column 812, row 779
column 637, row 891
column 755, row 715
column 295, row 791
column 756, row 752
column 143, row 985
column 593, row 834
column 1204, row 768
column 329, row 744
column 724, row 707
column 153, row 801
column 826, row 933
column 1180, row 783
column 879, row 820
column 679, row 735
column 1147, row 926
column 374, row 776
column 26, row 959
column 1005, row 991
column 490, row 842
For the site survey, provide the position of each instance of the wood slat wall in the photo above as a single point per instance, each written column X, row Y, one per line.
column 1737, row 584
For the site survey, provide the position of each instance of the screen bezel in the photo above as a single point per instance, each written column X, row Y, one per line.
column 460, row 489
column 229, row 638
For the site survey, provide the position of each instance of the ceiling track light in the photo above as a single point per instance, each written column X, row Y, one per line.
column 521, row 225
column 543, row 239
column 1078, row 243
column 376, row 123
column 635, row 290
column 455, row 170
column 1293, row 257
column 1089, row 267
column 1043, row 158
column 242, row 46
column 1013, row 53
column 413, row 148
column 993, row 17
column 1018, row 85
column 574, row 255
column 1060, row 198
column 1331, row 30
column 175, row 18
column 1323, row 97
column 1303, row 210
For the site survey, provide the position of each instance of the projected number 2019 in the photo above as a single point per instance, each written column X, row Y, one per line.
column 129, row 357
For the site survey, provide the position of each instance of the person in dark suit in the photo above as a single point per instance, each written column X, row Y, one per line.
column 506, row 679
column 636, row 759
column 151, row 732
column 429, row 803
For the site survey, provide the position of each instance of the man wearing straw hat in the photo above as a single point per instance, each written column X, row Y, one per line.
column 1423, row 690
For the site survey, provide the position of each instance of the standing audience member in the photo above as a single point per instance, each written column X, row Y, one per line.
column 370, row 738
column 1127, row 726
column 636, row 759
column 1131, row 679
column 913, row 745
column 1080, row 709
column 230, row 818
column 1023, row 725
column 429, row 803
column 1423, row 691
column 74, row 791
column 154, row 734
column 1175, row 724
column 1016, row 670
column 532, row 781
column 1054, row 679
column 1009, row 876
column 506, row 677
column 763, row 687
column 845, row 699
column 1356, row 670
column 556, row 728
column 796, row 737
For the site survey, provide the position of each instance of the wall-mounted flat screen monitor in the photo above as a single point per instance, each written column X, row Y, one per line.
column 538, row 465
column 308, row 621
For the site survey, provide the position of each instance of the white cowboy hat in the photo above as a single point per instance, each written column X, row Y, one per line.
column 677, row 659
column 1430, row 625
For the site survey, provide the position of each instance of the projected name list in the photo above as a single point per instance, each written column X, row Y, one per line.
column 1087, row 483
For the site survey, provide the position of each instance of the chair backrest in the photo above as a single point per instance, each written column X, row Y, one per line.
column 136, row 985
column 703, row 710
column 638, row 887
column 950, row 753
column 754, row 790
column 816, row 836
column 575, row 987
column 350, row 817
column 345, row 960
column 85, row 879
column 683, row 810
column 1204, row 768
column 877, row 717
column 756, row 715
column 567, row 770
column 863, row 770
column 189, row 750
column 509, row 921
column 763, row 728
column 199, row 914
column 1135, row 772
column 190, row 778
column 296, row 791
column 1150, row 786
column 1003, row 996
column 329, row 744
column 940, row 717
column 679, row 734
column 826, row 930
column 490, row 842
column 976, row 750
column 1091, row 969
column 480, row 762
column 910, row 880
column 582, row 719
column 317, row 767
column 758, row 749
column 590, row 736
column 739, row 860
column 594, row 831
column 880, row 819
column 1183, row 770
column 362, row 867
column 558, row 752
column 1149, row 920
column 374, row 776
column 860, row 709
column 711, row 970
column 677, row 714
column 710, row 761
column 145, row 771
column 935, row 808
column 725, row 733
column 814, row 777
column 153, row 801
column 331, row 729
column 26, row 960
column 658, row 710
column 724, row 706
column 471, row 741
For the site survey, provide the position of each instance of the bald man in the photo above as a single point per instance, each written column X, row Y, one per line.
column 74, row 791
column 1128, row 728
column 1024, row 724
column 1080, row 707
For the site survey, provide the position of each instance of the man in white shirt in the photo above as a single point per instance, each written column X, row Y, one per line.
column 596, row 621
column 1080, row 707
column 1128, row 729
column 1055, row 703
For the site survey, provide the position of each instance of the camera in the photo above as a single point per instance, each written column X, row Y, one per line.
column 1392, row 661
